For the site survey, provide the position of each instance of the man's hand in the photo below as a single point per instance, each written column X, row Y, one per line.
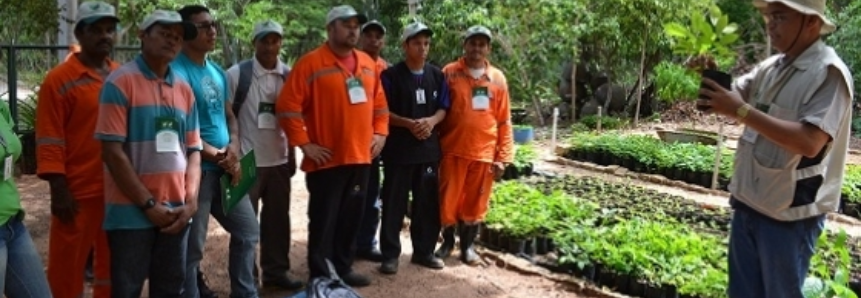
column 425, row 128
column 317, row 153
column 63, row 203
column 183, row 214
column 235, row 174
column 160, row 215
column 377, row 144
column 498, row 169
column 722, row 101
column 231, row 157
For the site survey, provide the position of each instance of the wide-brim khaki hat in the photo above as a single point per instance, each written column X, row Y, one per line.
column 808, row 7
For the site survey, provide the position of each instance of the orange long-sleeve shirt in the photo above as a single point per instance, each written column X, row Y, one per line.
column 482, row 135
column 314, row 107
column 65, row 121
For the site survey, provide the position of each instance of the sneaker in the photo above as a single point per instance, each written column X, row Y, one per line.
column 283, row 283
column 389, row 266
column 356, row 280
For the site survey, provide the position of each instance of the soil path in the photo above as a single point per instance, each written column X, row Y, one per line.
column 456, row 280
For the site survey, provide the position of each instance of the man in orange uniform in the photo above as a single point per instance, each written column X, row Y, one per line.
column 70, row 159
column 476, row 141
column 371, row 41
column 333, row 108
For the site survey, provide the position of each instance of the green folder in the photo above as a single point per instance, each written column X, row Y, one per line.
column 232, row 195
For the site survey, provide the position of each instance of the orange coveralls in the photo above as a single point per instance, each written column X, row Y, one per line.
column 65, row 122
column 472, row 140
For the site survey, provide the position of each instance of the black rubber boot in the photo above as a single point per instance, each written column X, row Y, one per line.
column 467, row 238
column 447, row 246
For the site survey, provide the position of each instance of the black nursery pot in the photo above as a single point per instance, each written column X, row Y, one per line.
column 851, row 209
column 541, row 245
column 705, row 179
column 678, row 174
column 516, row 246
column 586, row 273
column 529, row 247
column 606, row 278
column 637, row 287
column 623, row 283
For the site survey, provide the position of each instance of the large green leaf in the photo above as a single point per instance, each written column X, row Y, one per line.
column 677, row 30
column 730, row 28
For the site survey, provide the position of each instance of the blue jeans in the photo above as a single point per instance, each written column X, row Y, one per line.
column 21, row 273
column 244, row 231
column 770, row 258
column 366, row 239
column 137, row 255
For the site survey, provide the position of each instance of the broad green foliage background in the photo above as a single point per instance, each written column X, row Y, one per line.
column 534, row 38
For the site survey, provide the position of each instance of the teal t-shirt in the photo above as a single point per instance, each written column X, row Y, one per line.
column 209, row 84
column 10, row 199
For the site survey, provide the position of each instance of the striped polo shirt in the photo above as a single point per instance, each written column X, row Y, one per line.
column 131, row 102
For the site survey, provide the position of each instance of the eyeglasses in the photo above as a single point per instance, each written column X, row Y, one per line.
column 205, row 26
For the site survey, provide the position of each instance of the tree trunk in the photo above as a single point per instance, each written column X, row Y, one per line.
column 641, row 77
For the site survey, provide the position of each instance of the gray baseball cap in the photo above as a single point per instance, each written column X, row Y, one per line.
column 266, row 27
column 343, row 12
column 169, row 17
column 374, row 23
column 93, row 11
column 477, row 30
column 414, row 29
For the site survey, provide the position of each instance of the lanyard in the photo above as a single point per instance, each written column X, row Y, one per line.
column 4, row 144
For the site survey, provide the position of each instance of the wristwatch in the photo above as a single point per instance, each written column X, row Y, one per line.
column 148, row 204
column 742, row 111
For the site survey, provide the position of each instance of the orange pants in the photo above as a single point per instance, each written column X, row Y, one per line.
column 68, row 248
column 465, row 187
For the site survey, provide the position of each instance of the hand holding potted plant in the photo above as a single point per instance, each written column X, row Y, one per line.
column 702, row 41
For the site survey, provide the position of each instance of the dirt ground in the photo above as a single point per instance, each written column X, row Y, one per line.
column 456, row 280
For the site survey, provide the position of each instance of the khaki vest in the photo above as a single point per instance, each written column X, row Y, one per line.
column 765, row 174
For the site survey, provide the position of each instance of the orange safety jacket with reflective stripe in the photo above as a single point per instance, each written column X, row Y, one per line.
column 482, row 135
column 314, row 107
column 65, row 121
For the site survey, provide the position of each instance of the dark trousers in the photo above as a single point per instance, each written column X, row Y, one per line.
column 141, row 254
column 366, row 239
column 273, row 188
column 335, row 200
column 423, row 181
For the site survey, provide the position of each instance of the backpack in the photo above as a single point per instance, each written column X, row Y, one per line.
column 245, row 73
column 328, row 287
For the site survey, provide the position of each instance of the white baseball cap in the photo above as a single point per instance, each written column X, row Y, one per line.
column 93, row 11
column 477, row 30
column 266, row 27
column 169, row 17
column 343, row 12
column 414, row 29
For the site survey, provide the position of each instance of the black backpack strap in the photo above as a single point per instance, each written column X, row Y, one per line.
column 245, row 73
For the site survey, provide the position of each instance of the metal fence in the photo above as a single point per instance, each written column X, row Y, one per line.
column 13, row 51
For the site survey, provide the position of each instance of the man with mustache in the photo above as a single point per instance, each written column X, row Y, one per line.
column 371, row 41
column 147, row 123
column 69, row 158
column 796, row 108
column 334, row 109
column 253, row 87
column 476, row 140
column 220, row 155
